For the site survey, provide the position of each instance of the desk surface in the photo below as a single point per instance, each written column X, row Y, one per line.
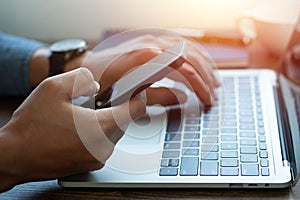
column 50, row 190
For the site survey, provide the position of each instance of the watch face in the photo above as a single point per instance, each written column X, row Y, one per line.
column 68, row 45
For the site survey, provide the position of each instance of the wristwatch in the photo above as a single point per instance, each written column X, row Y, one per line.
column 63, row 51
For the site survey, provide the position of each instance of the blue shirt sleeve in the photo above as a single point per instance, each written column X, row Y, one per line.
column 15, row 54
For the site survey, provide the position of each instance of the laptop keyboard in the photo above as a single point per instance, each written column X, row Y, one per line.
column 225, row 140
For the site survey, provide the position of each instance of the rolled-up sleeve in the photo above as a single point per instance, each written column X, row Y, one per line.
column 15, row 55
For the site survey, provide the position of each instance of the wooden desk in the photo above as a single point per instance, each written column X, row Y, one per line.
column 51, row 190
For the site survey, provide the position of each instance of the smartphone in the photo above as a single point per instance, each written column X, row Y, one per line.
column 140, row 78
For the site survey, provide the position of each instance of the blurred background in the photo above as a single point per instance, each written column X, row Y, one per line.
column 56, row 19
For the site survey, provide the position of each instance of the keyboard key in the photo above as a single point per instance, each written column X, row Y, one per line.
column 265, row 171
column 170, row 154
column 189, row 166
column 262, row 146
column 193, row 143
column 249, row 127
column 190, row 152
column 210, row 125
column 229, row 123
column 192, row 128
column 192, row 121
column 246, row 120
column 209, row 168
column 210, row 148
column 261, row 131
column 190, row 136
column 250, row 134
column 229, row 117
column 173, row 137
column 259, row 117
column 229, row 154
column 210, row 132
column 209, row 156
column 231, row 138
column 229, row 130
column 248, row 142
column 169, row 163
column 229, row 163
column 173, row 162
column 246, row 113
column 248, row 150
column 229, row 146
column 174, row 145
column 249, row 170
column 164, row 163
column 169, row 171
column 264, row 163
column 249, row 158
column 193, row 115
column 263, row 154
column 208, row 118
column 208, row 139
column 260, row 124
column 229, row 171
column 213, row 111
column 262, row 138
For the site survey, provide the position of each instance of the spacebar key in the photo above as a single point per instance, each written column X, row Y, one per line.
column 189, row 166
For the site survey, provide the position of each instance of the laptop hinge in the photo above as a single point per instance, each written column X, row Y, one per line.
column 287, row 149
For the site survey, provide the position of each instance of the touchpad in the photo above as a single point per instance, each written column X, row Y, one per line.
column 148, row 129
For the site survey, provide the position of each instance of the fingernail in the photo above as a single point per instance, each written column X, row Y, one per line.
column 97, row 86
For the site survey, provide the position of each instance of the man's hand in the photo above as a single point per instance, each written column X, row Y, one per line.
column 111, row 64
column 49, row 137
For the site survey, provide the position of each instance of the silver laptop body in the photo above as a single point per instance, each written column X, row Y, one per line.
column 250, row 138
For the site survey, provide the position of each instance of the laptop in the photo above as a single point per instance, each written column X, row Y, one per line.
column 250, row 138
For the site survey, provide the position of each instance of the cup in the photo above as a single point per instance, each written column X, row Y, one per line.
column 270, row 25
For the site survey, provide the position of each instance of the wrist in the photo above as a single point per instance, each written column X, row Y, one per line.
column 76, row 62
column 10, row 175
column 39, row 66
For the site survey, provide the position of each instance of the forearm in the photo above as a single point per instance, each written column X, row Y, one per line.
column 15, row 57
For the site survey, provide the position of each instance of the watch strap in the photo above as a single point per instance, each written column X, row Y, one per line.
column 57, row 63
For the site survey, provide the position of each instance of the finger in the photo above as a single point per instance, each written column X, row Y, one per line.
column 201, row 66
column 79, row 82
column 117, row 118
column 203, row 72
column 197, row 84
column 201, row 61
column 206, row 62
column 165, row 96
column 136, row 107
column 128, row 61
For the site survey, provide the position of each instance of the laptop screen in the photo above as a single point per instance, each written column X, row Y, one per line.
column 289, row 79
column 290, row 65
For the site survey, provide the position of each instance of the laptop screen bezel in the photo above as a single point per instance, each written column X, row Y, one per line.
column 291, row 128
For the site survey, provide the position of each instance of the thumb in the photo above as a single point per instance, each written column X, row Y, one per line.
column 79, row 82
